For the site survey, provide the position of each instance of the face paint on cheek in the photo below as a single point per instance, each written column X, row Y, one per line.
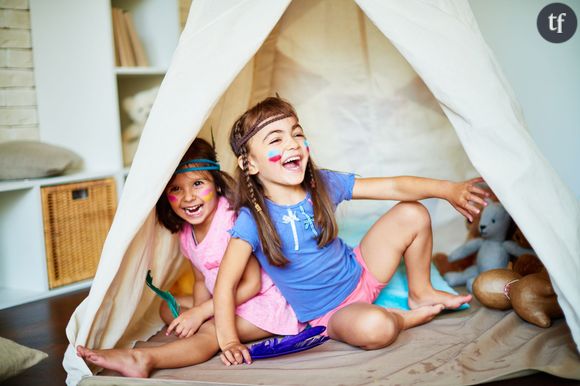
column 307, row 146
column 206, row 194
column 274, row 156
column 171, row 198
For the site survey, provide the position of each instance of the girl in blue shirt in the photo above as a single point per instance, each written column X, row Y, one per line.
column 286, row 219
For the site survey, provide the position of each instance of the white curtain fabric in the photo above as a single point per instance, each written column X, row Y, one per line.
column 381, row 87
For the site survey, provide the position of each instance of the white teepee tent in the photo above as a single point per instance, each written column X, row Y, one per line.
column 354, row 71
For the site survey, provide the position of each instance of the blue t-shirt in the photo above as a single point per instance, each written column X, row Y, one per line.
column 316, row 280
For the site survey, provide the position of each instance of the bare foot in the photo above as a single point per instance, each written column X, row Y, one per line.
column 418, row 316
column 130, row 363
column 433, row 296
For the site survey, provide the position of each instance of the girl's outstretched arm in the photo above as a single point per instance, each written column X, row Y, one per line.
column 231, row 270
column 463, row 196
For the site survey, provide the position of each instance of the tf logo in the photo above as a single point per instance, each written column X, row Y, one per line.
column 557, row 22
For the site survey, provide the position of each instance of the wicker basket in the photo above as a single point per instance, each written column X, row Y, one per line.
column 76, row 219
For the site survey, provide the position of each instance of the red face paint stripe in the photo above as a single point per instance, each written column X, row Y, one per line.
column 275, row 158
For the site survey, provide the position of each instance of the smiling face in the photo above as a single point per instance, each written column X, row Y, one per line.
column 193, row 197
column 278, row 154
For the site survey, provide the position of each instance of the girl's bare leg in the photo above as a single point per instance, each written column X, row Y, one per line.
column 405, row 230
column 139, row 362
column 372, row 327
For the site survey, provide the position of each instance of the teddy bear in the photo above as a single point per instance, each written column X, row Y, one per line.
column 491, row 253
column 441, row 260
column 137, row 108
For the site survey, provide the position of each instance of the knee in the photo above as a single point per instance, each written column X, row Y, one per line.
column 381, row 329
column 413, row 212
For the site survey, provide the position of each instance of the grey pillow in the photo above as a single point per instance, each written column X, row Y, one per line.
column 33, row 159
column 15, row 358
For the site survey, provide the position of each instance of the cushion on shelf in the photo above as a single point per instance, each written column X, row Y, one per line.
column 15, row 358
column 33, row 159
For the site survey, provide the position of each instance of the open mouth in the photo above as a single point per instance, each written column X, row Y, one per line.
column 292, row 163
column 193, row 210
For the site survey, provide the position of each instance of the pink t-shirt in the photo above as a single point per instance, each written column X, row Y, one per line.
column 268, row 310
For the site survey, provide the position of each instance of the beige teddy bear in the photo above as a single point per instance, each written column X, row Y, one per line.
column 137, row 108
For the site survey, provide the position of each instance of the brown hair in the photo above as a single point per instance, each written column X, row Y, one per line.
column 199, row 149
column 251, row 191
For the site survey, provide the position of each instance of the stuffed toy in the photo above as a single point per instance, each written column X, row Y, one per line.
column 527, row 263
column 489, row 246
column 441, row 260
column 526, row 287
column 532, row 296
column 518, row 245
column 137, row 108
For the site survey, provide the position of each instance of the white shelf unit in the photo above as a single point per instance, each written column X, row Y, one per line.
column 79, row 91
column 23, row 261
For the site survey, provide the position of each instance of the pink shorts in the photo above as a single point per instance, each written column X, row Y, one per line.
column 366, row 291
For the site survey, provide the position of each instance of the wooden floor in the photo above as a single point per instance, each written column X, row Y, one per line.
column 42, row 324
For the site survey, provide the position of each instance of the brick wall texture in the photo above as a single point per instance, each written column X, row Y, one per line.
column 18, row 116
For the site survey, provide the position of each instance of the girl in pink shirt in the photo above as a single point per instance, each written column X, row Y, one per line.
column 196, row 203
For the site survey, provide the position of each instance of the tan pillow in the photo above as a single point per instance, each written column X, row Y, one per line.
column 15, row 358
column 33, row 159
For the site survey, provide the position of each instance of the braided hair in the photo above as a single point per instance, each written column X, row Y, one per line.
column 251, row 191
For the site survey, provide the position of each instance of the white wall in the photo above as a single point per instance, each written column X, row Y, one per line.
column 545, row 77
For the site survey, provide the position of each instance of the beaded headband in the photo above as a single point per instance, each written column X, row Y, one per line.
column 211, row 165
column 257, row 127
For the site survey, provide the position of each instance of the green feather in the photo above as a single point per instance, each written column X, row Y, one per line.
column 165, row 295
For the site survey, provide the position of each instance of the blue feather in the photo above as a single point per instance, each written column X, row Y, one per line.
column 274, row 347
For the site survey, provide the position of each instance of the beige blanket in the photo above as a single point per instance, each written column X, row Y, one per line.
column 460, row 348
